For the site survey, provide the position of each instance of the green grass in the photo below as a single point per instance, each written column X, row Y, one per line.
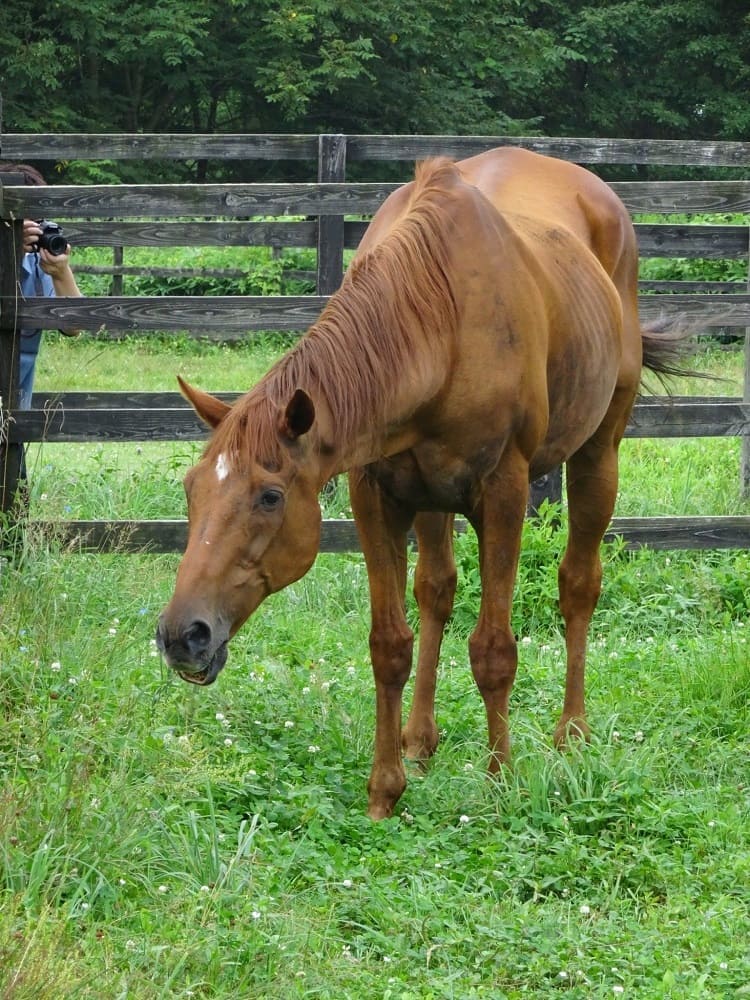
column 158, row 840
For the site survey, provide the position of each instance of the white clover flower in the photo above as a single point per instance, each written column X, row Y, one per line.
column 227, row 742
column 585, row 909
column 163, row 888
column 130, row 945
column 255, row 914
column 347, row 883
column 55, row 667
column 638, row 737
column 288, row 724
column 468, row 766
column 463, row 819
column 313, row 748
column 618, row 989
column 219, row 716
column 205, row 888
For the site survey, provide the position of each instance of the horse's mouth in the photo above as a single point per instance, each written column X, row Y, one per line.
column 203, row 678
column 209, row 673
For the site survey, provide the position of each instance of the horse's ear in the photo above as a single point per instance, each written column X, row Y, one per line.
column 210, row 409
column 298, row 417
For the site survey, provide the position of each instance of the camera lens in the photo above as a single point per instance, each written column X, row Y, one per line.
column 55, row 243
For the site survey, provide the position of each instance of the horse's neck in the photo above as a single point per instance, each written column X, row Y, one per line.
column 376, row 436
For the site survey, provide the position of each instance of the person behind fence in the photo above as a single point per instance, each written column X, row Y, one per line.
column 45, row 271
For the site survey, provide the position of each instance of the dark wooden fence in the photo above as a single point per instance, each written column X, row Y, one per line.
column 330, row 214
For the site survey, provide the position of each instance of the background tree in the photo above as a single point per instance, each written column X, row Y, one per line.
column 638, row 68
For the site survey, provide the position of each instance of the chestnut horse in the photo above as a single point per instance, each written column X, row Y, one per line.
column 486, row 331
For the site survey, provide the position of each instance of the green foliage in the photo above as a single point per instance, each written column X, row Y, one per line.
column 619, row 67
column 214, row 841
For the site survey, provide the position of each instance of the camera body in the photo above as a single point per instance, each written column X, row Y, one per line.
column 52, row 238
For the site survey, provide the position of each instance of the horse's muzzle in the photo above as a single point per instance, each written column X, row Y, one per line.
column 196, row 653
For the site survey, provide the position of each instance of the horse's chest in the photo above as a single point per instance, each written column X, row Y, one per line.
column 432, row 478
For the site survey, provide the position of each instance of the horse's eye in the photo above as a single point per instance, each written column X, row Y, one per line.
column 270, row 499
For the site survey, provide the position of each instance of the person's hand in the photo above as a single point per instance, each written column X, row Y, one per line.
column 56, row 265
column 31, row 233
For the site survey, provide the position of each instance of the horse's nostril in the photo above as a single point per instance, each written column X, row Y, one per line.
column 197, row 637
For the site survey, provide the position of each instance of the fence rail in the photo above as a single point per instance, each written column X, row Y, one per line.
column 329, row 213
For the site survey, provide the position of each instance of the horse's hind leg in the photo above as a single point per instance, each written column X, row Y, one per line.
column 591, row 489
column 434, row 589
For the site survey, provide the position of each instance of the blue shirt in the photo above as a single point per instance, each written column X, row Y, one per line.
column 33, row 281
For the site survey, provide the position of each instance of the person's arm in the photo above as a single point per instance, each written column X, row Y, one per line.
column 56, row 266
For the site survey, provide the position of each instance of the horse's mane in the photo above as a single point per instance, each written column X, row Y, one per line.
column 395, row 311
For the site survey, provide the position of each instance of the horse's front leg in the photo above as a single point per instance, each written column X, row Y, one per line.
column 498, row 521
column 382, row 528
column 434, row 589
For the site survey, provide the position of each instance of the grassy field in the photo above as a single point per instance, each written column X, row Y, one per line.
column 160, row 841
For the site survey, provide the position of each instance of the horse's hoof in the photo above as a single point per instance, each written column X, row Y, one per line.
column 571, row 730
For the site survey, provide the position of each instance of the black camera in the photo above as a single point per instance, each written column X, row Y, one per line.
column 52, row 238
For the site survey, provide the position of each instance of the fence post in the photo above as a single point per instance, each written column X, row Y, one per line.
column 11, row 455
column 115, row 287
column 331, row 167
column 548, row 487
column 745, row 462
column 745, row 453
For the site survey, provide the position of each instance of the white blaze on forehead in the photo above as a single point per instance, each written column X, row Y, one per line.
column 222, row 467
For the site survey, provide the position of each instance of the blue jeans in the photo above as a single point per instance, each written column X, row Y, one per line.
column 26, row 381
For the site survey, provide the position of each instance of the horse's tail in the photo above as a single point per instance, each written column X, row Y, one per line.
column 667, row 343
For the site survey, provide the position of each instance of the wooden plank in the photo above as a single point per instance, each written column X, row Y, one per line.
column 227, row 314
column 92, row 201
column 207, row 314
column 122, row 146
column 146, row 146
column 695, row 241
column 711, row 310
column 727, row 532
column 694, row 287
column 654, row 239
column 677, row 152
column 341, row 536
column 56, row 420
column 670, row 197
column 199, row 234
column 687, row 419
column 134, row 399
column 232, row 200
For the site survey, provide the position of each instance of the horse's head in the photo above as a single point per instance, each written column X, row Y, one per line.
column 253, row 528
